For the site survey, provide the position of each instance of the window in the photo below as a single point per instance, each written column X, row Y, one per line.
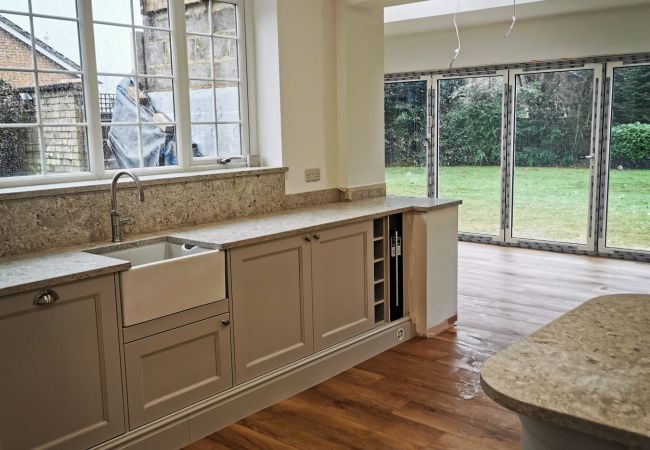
column 212, row 54
column 134, row 66
column 89, row 87
column 42, row 107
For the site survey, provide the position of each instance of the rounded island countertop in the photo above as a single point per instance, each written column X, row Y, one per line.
column 588, row 371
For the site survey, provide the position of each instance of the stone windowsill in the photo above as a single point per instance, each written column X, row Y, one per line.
column 147, row 180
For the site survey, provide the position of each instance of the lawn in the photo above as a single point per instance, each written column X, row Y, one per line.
column 550, row 203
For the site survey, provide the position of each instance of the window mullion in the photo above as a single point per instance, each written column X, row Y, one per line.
column 181, row 85
column 91, row 88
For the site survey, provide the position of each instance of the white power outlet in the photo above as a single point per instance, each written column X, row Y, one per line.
column 312, row 175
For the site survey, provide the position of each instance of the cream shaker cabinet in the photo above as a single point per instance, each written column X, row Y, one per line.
column 61, row 380
column 170, row 370
column 271, row 305
column 342, row 283
column 298, row 295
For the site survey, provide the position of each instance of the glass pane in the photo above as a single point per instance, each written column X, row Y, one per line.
column 15, row 5
column 63, row 8
column 203, row 140
column 62, row 103
column 553, row 114
column 153, row 52
column 160, row 96
column 198, row 56
column 469, row 148
column 224, row 19
column 225, row 58
column 114, row 50
column 121, row 147
column 17, row 102
column 229, row 139
column 17, row 55
column 151, row 13
column 628, row 201
column 117, row 11
column 405, row 144
column 63, row 38
column 65, row 149
column 196, row 17
column 107, row 95
column 227, row 96
column 19, row 151
column 159, row 145
column 201, row 101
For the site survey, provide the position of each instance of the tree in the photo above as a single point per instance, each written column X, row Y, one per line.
column 631, row 99
column 405, row 118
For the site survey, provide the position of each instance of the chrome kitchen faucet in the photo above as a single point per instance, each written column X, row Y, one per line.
column 116, row 220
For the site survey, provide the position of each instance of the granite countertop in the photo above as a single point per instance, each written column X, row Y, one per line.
column 588, row 371
column 26, row 272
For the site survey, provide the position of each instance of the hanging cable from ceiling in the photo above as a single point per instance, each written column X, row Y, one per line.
column 514, row 18
column 457, row 50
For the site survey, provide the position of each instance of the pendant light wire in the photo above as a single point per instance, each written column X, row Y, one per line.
column 457, row 50
column 514, row 19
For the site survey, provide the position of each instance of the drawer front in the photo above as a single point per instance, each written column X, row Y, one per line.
column 61, row 380
column 177, row 368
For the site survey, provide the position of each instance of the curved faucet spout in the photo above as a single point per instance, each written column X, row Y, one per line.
column 114, row 187
column 116, row 221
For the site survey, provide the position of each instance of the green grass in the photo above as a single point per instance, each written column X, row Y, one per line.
column 549, row 203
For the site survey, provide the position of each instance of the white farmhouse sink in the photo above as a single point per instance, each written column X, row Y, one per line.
column 166, row 278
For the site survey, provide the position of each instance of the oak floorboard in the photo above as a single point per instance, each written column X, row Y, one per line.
column 425, row 393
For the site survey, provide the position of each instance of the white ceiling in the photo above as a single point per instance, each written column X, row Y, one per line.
column 471, row 15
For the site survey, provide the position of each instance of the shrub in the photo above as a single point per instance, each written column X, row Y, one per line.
column 630, row 146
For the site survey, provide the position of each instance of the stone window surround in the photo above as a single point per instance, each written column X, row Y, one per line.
column 186, row 168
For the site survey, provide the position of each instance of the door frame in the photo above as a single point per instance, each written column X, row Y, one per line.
column 594, row 161
column 605, row 148
column 434, row 98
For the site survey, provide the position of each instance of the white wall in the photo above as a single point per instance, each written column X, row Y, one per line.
column 595, row 33
column 315, row 105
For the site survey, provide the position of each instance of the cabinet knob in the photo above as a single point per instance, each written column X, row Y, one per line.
column 317, row 236
column 307, row 238
column 225, row 322
column 46, row 297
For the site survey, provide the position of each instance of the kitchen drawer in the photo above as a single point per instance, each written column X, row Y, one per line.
column 174, row 369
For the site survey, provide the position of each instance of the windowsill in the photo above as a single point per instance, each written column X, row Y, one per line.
column 147, row 180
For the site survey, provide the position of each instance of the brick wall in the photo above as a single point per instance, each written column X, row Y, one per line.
column 16, row 53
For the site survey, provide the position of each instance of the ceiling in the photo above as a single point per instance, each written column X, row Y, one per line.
column 498, row 14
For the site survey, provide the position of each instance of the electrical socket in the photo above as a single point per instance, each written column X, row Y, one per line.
column 312, row 175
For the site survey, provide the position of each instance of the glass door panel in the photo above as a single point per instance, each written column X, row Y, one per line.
column 628, row 197
column 551, row 180
column 469, row 142
column 405, row 119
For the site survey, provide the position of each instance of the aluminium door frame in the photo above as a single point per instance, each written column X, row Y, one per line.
column 435, row 145
column 608, row 94
column 594, row 161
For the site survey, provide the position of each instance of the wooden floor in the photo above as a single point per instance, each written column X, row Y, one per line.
column 425, row 394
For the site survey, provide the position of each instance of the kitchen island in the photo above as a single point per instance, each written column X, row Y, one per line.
column 583, row 381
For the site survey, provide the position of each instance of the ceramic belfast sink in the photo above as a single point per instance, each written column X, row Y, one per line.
column 166, row 278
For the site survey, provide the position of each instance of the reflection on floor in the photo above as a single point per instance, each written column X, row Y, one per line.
column 426, row 393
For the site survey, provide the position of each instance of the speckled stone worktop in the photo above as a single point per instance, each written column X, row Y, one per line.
column 588, row 371
column 26, row 272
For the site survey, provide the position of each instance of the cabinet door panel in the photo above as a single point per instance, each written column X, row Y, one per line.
column 272, row 305
column 168, row 371
column 61, row 383
column 342, row 283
